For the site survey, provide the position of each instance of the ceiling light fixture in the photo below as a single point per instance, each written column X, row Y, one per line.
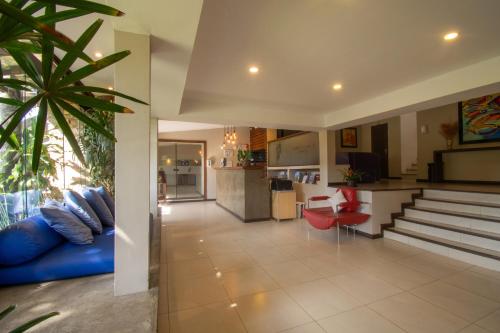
column 98, row 54
column 253, row 69
column 337, row 86
column 451, row 35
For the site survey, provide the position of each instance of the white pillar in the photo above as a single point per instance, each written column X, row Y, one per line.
column 132, row 166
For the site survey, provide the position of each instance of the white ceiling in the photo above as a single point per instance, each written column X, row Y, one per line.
column 379, row 50
column 165, row 126
column 303, row 47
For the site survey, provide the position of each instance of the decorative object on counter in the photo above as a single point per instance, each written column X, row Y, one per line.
column 349, row 137
column 479, row 119
column 449, row 131
column 244, row 157
column 352, row 177
column 230, row 138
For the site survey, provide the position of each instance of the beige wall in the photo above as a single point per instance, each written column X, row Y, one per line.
column 365, row 142
column 213, row 137
column 432, row 140
column 408, row 140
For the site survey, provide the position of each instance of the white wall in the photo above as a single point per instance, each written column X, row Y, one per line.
column 408, row 140
column 132, row 167
column 213, row 137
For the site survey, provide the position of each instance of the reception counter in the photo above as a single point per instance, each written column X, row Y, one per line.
column 244, row 192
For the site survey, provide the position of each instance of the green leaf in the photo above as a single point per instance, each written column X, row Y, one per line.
column 17, row 84
column 20, row 46
column 41, row 121
column 27, row 65
column 18, row 115
column 92, row 68
column 10, row 101
column 86, row 5
column 47, row 52
column 8, row 310
column 93, row 102
column 101, row 90
column 72, row 55
column 66, row 129
column 85, row 119
column 34, row 322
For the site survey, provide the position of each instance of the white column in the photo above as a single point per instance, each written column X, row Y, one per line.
column 132, row 166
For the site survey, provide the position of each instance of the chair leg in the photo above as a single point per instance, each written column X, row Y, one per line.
column 354, row 230
column 338, row 234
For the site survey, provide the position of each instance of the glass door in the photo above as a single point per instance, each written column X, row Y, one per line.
column 181, row 171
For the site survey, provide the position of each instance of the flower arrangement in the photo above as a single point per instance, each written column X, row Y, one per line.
column 351, row 176
column 449, row 131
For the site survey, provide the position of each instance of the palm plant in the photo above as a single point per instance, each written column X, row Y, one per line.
column 54, row 86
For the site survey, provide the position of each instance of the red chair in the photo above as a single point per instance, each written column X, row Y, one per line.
column 347, row 215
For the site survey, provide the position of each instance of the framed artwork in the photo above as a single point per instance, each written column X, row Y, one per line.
column 349, row 137
column 479, row 119
column 228, row 153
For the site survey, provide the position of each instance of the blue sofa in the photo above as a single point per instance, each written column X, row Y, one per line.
column 64, row 261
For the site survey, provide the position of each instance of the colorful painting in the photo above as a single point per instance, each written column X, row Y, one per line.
column 349, row 137
column 479, row 119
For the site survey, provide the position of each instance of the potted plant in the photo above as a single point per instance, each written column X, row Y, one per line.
column 352, row 177
column 244, row 157
column 449, row 131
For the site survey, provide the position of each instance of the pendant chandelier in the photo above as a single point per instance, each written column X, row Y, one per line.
column 230, row 138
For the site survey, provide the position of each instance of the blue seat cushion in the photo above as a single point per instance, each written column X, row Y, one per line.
column 99, row 206
column 25, row 240
column 63, row 221
column 81, row 208
column 65, row 261
column 108, row 199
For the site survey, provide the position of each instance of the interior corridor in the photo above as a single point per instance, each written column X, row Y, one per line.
column 221, row 275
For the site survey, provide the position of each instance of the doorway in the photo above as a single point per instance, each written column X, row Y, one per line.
column 181, row 170
column 380, row 146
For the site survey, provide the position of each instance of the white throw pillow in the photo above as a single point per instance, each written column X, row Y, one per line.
column 337, row 199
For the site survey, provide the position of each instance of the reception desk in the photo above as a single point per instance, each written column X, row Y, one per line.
column 244, row 192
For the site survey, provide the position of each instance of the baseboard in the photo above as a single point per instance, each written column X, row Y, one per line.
column 240, row 217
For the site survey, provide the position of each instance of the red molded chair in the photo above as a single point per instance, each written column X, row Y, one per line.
column 347, row 215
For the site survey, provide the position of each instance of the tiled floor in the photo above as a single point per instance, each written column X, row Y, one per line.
column 227, row 276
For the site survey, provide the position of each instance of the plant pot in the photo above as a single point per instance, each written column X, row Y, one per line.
column 352, row 183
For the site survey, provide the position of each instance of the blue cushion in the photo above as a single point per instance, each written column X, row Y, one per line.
column 99, row 206
column 67, row 224
column 81, row 208
column 108, row 199
column 25, row 240
column 65, row 261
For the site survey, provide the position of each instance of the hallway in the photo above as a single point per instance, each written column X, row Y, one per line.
column 227, row 276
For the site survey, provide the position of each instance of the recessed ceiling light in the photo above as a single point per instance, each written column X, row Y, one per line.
column 253, row 69
column 98, row 55
column 451, row 35
column 337, row 86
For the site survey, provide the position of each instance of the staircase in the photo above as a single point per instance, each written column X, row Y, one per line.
column 461, row 225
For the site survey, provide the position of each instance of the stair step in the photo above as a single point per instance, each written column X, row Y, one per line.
column 458, row 206
column 491, row 254
column 453, row 195
column 464, row 202
column 457, row 214
column 450, row 227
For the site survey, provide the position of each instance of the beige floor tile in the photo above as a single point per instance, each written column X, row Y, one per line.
column 301, row 250
column 185, row 294
column 365, row 287
column 189, row 269
column 269, row 255
column 415, row 315
column 321, row 298
column 269, row 312
column 327, row 265
column 360, row 320
column 434, row 265
column 183, row 253
column 491, row 322
column 247, row 281
column 476, row 283
column 474, row 329
column 232, row 261
column 213, row 318
column 291, row 272
column 464, row 304
column 307, row 328
column 399, row 275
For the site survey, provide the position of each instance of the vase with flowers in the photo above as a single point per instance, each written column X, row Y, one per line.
column 351, row 176
column 449, row 131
